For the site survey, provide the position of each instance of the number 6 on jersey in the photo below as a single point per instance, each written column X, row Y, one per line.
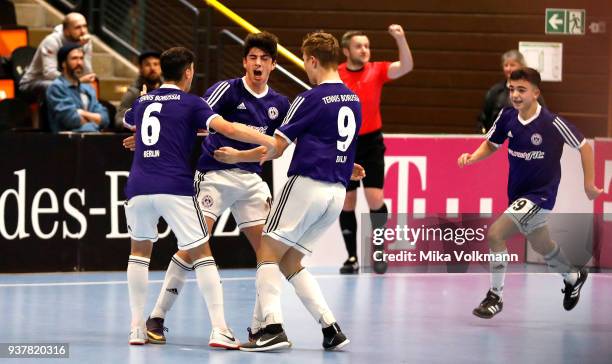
column 150, row 129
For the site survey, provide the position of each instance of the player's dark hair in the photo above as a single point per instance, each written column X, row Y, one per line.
column 346, row 37
column 174, row 62
column 528, row 74
column 265, row 41
column 324, row 47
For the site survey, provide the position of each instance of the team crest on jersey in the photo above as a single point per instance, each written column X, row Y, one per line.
column 272, row 113
column 536, row 139
column 207, row 201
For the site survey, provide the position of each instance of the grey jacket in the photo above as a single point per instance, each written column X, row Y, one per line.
column 44, row 63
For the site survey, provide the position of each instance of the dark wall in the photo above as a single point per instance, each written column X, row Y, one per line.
column 457, row 47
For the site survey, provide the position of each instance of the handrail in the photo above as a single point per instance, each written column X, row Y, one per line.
column 280, row 68
column 252, row 29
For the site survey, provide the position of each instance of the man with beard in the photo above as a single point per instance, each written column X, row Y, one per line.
column 44, row 68
column 148, row 80
column 73, row 105
column 366, row 79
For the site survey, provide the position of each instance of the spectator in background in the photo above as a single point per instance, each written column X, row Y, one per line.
column 73, row 105
column 44, row 68
column 498, row 95
column 148, row 80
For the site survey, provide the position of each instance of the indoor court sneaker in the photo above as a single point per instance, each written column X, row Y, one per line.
column 489, row 307
column 220, row 338
column 155, row 330
column 138, row 336
column 254, row 336
column 333, row 338
column 572, row 291
column 350, row 266
column 273, row 338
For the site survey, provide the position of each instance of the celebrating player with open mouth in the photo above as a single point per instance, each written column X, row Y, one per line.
column 536, row 138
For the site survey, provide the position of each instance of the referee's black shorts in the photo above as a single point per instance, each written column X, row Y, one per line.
column 371, row 156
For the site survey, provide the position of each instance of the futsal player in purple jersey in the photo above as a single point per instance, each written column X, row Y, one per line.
column 237, row 185
column 536, row 139
column 323, row 122
column 161, row 185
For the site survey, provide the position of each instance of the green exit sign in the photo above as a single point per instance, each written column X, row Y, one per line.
column 565, row 21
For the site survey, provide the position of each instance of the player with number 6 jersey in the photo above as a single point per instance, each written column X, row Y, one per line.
column 160, row 185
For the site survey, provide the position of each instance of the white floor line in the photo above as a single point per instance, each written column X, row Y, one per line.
column 321, row 276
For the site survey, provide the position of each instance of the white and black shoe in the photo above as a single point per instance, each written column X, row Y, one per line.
column 333, row 338
column 272, row 339
column 223, row 338
column 490, row 306
column 350, row 266
column 572, row 291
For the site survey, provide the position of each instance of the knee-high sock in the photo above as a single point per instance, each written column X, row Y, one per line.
column 557, row 262
column 498, row 273
column 348, row 226
column 309, row 292
column 138, row 280
column 268, row 283
column 209, row 283
column 173, row 284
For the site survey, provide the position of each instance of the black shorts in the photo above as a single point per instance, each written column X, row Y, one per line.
column 371, row 155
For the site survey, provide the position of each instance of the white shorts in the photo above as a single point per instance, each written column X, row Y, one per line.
column 244, row 193
column 303, row 211
column 527, row 216
column 180, row 212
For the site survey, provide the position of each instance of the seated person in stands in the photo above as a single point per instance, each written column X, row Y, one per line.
column 44, row 69
column 73, row 105
column 148, row 80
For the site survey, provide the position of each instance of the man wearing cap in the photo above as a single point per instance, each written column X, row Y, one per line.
column 148, row 80
column 44, row 68
column 73, row 105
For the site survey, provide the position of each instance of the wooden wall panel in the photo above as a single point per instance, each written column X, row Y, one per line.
column 457, row 47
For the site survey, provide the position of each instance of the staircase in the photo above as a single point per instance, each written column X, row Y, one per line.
column 114, row 72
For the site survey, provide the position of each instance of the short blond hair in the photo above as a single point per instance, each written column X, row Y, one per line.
column 324, row 47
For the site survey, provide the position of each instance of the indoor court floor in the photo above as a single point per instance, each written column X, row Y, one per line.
column 395, row 318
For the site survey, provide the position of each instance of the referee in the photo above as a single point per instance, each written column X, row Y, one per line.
column 366, row 79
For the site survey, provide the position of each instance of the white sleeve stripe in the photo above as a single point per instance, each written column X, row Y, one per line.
column 488, row 135
column 210, row 118
column 283, row 135
column 566, row 128
column 126, row 124
column 564, row 135
column 582, row 143
column 216, row 95
column 291, row 108
column 298, row 101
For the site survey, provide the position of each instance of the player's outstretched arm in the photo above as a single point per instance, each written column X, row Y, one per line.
column 405, row 63
column 484, row 150
column 588, row 171
column 232, row 156
column 241, row 132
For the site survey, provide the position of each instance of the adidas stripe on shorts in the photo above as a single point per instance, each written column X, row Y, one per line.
column 303, row 211
column 180, row 212
column 526, row 215
column 246, row 195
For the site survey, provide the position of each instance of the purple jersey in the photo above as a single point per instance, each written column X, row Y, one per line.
column 236, row 102
column 325, row 122
column 534, row 151
column 166, row 121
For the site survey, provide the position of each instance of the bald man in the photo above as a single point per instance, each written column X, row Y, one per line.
column 44, row 69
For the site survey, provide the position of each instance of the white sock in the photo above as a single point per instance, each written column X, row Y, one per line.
column 309, row 292
column 268, row 282
column 173, row 284
column 258, row 318
column 498, row 273
column 138, row 280
column 557, row 262
column 209, row 283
